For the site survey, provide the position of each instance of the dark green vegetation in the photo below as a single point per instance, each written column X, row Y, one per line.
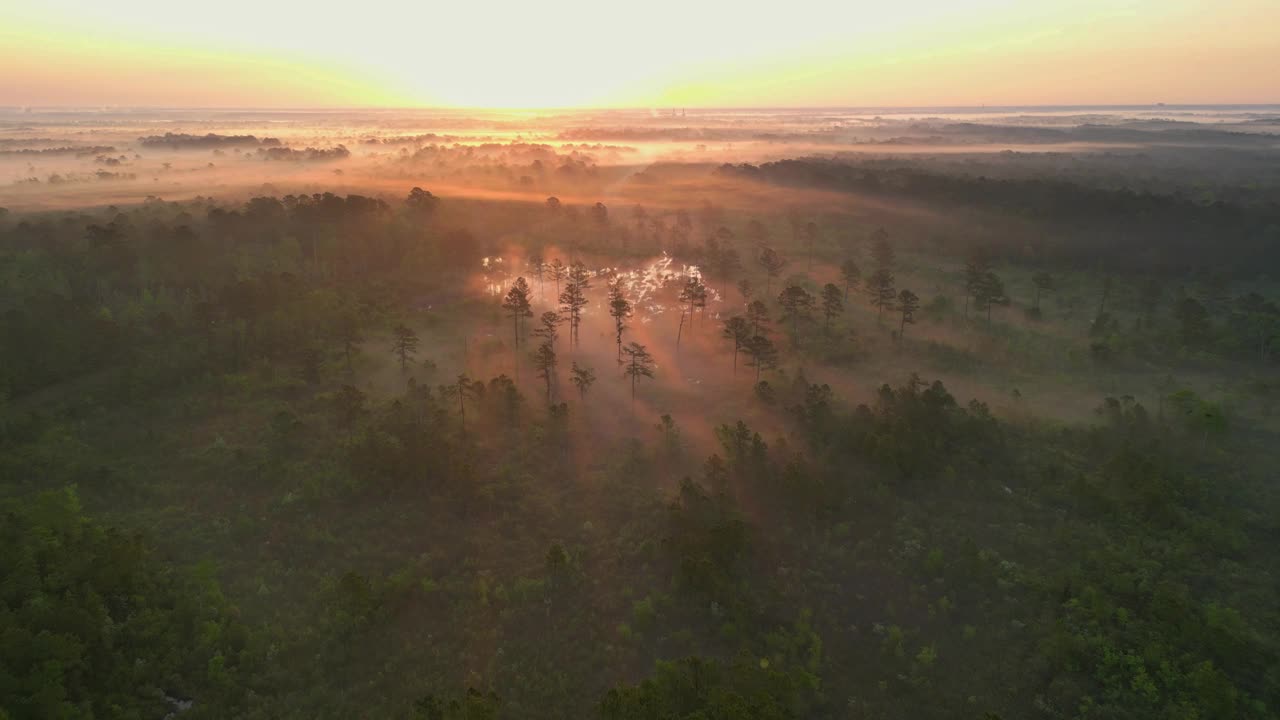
column 299, row 502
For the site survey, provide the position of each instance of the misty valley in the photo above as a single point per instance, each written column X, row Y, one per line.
column 682, row 414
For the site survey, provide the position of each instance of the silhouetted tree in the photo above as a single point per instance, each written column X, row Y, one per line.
column 976, row 267
column 692, row 296
column 574, row 298
column 583, row 378
column 639, row 364
column 517, row 303
column 832, row 304
column 880, row 289
column 421, row 202
column 404, row 344
column 908, row 303
column 851, row 274
column 539, row 270
column 758, row 316
column 544, row 361
column 464, row 389
column 797, row 304
column 763, row 354
column 619, row 310
column 549, row 327
column 727, row 262
column 745, row 290
column 989, row 292
column 558, row 272
column 772, row 263
column 737, row 329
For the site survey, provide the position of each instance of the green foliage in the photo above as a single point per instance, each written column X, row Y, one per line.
column 697, row 689
column 708, row 543
column 94, row 626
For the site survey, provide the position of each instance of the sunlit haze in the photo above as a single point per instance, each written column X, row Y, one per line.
column 663, row 360
column 667, row 53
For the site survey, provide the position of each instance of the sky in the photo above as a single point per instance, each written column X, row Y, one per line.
column 659, row 53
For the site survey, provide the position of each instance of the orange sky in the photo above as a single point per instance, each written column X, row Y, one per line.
column 560, row 53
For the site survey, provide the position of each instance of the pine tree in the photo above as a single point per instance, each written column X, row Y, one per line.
column 404, row 344
column 539, row 270
column 880, row 288
column 763, row 354
column 989, row 292
column 832, row 305
column 772, row 263
column 737, row 329
column 693, row 295
column 517, row 303
column 851, row 274
column 544, row 361
column 583, row 378
column 908, row 303
column 758, row 316
column 464, row 389
column 574, row 298
column 639, row 364
column 619, row 310
column 797, row 304
column 976, row 268
column 558, row 272
column 549, row 327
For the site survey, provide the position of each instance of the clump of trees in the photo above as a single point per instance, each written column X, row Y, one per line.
column 95, row 625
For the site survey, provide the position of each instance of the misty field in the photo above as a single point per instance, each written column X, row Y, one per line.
column 619, row 414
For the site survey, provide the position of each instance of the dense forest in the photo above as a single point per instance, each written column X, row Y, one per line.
column 418, row 455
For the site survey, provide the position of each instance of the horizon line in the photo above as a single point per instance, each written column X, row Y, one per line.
column 25, row 109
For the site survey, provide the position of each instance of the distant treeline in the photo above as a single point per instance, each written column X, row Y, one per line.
column 310, row 154
column 1121, row 229
column 210, row 140
column 66, row 150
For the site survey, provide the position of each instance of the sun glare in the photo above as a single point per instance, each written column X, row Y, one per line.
column 706, row 54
